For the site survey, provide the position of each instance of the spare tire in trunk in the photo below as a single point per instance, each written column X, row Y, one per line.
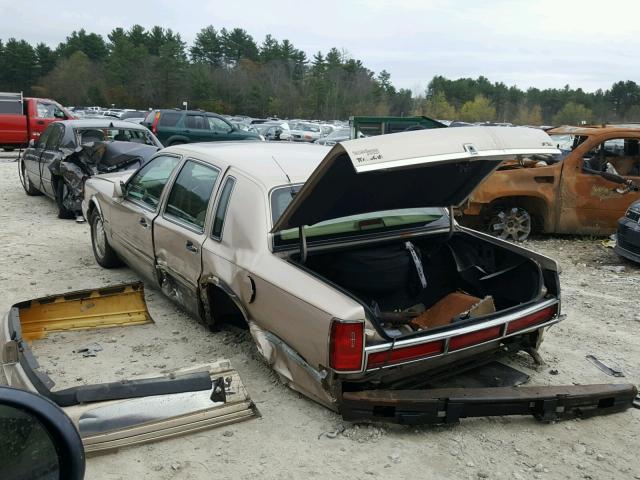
column 374, row 270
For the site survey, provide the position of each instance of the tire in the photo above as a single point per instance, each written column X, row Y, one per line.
column 102, row 251
column 6, row 149
column 63, row 212
column 510, row 223
column 26, row 183
column 177, row 142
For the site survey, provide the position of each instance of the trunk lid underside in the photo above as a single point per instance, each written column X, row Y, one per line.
column 428, row 168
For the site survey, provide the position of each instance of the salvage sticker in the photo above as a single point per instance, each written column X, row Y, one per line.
column 369, row 155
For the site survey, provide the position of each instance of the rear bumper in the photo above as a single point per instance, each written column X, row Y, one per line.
column 500, row 329
column 449, row 405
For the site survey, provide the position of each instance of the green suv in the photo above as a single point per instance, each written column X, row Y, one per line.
column 173, row 126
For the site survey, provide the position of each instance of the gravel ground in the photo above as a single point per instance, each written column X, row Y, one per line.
column 43, row 255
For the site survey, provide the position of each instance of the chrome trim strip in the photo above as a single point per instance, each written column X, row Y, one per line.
column 446, row 336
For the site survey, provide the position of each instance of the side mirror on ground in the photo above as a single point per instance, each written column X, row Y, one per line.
column 119, row 189
column 37, row 439
column 32, row 143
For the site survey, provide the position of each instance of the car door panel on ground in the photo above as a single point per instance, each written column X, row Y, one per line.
column 136, row 212
column 180, row 231
column 590, row 202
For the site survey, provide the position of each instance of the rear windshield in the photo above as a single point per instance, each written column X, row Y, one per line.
column 364, row 223
column 97, row 134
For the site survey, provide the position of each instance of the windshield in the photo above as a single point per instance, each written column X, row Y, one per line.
column 372, row 222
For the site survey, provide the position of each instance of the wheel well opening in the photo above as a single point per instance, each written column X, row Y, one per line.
column 223, row 310
column 536, row 207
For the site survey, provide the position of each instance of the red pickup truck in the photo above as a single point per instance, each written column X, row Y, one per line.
column 24, row 118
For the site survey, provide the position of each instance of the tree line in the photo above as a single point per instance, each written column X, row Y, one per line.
column 224, row 71
column 473, row 100
column 227, row 71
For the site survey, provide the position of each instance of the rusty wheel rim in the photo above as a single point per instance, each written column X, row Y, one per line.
column 511, row 224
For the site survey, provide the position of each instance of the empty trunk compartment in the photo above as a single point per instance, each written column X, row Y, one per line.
column 431, row 282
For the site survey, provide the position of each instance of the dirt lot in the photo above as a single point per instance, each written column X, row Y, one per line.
column 44, row 255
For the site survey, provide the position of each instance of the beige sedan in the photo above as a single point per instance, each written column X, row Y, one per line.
column 357, row 285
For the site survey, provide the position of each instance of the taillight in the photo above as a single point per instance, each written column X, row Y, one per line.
column 540, row 316
column 404, row 354
column 473, row 338
column 346, row 346
column 154, row 125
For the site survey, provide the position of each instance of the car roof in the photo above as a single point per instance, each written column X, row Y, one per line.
column 100, row 123
column 269, row 163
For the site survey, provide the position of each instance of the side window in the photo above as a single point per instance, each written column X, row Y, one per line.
column 167, row 119
column 197, row 122
column 45, row 110
column 42, row 141
column 55, row 137
column 58, row 112
column 221, row 210
column 616, row 155
column 191, row 192
column 147, row 184
column 218, row 125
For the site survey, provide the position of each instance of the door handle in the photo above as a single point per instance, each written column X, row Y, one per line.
column 143, row 222
column 191, row 247
column 40, row 122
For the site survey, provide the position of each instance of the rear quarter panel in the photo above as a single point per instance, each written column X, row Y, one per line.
column 542, row 183
column 287, row 301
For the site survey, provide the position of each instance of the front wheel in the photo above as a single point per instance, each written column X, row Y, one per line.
column 62, row 190
column 510, row 223
column 102, row 251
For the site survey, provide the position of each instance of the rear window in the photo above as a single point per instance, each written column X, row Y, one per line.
column 96, row 134
column 11, row 107
column 169, row 119
column 364, row 223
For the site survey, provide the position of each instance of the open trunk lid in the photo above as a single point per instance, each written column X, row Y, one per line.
column 426, row 168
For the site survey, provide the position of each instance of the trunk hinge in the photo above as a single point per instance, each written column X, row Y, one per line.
column 303, row 244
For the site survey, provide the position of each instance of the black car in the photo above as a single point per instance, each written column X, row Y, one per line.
column 628, row 242
column 69, row 152
column 174, row 127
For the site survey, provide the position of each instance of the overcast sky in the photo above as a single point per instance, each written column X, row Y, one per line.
column 541, row 43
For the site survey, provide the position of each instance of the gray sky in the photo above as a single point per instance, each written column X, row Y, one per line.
column 541, row 43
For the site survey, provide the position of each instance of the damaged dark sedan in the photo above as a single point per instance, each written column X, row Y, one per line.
column 69, row 152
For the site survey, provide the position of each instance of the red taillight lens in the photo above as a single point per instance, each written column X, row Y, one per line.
column 540, row 316
column 346, row 346
column 404, row 354
column 154, row 125
column 468, row 339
